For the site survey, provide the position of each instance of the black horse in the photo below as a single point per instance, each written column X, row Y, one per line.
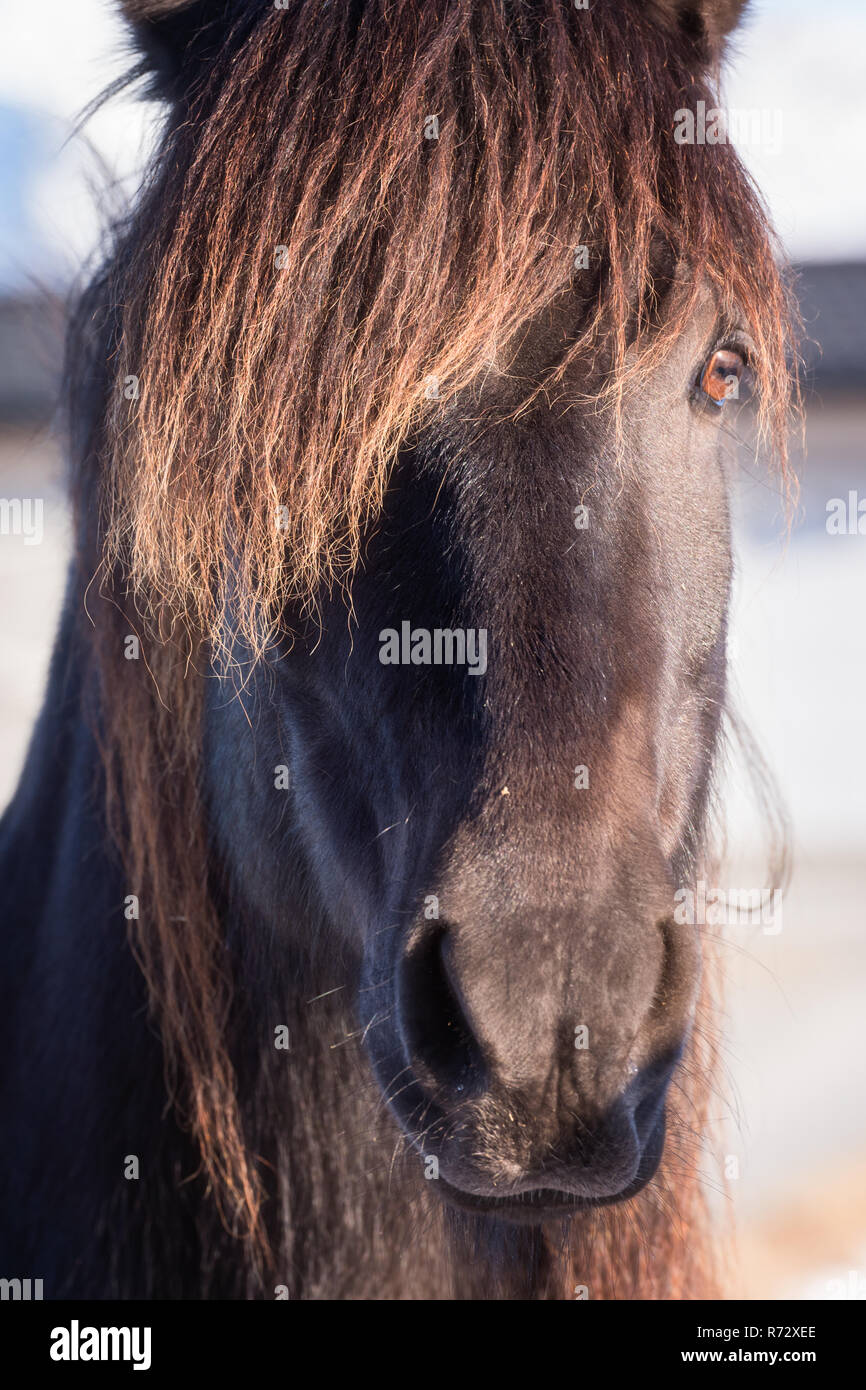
column 380, row 892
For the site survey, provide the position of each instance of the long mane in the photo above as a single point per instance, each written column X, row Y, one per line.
column 303, row 260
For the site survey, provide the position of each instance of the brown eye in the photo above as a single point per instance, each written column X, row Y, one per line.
column 721, row 377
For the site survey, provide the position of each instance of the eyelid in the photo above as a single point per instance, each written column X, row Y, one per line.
column 735, row 340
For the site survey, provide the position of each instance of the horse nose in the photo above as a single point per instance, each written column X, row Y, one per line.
column 514, row 1098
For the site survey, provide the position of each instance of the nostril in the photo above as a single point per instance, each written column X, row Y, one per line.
column 436, row 1032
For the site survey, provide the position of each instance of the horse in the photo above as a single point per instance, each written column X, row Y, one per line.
column 383, row 718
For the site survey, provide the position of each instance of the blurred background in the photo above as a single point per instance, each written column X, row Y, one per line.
column 793, row 1116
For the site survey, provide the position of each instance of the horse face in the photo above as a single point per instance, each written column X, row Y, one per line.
column 493, row 772
column 496, row 820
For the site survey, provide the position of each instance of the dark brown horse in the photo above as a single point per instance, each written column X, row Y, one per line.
column 382, row 720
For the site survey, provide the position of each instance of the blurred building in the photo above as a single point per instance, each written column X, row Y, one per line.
column 833, row 305
column 832, row 300
column 31, row 347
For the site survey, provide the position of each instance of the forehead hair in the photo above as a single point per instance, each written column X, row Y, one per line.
column 355, row 201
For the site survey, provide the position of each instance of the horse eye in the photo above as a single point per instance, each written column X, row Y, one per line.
column 722, row 374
